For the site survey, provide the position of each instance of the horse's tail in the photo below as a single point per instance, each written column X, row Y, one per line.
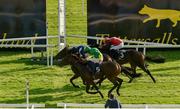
column 157, row 59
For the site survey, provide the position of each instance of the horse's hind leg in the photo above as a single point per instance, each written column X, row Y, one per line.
column 148, row 72
column 120, row 82
column 71, row 80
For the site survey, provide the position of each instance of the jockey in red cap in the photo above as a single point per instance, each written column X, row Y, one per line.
column 114, row 42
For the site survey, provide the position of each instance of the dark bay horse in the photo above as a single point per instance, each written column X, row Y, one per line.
column 68, row 50
column 133, row 57
column 109, row 70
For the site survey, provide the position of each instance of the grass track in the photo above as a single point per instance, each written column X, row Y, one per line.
column 51, row 85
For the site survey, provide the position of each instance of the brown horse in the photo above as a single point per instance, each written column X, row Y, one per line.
column 109, row 70
column 133, row 57
column 68, row 50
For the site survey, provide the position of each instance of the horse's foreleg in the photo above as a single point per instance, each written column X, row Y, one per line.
column 126, row 71
column 88, row 88
column 120, row 83
column 101, row 80
column 98, row 90
column 115, row 85
column 71, row 80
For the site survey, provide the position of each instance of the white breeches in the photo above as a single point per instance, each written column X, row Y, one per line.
column 117, row 46
column 95, row 60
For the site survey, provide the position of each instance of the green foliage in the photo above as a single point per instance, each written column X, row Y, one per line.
column 50, row 85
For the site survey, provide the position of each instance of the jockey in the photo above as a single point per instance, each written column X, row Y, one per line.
column 114, row 42
column 80, row 50
column 93, row 55
column 115, row 45
column 95, row 58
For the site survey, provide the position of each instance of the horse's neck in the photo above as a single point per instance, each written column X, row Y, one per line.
column 78, row 62
column 105, row 51
column 82, row 68
column 106, row 57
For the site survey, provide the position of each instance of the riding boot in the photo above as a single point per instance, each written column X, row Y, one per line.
column 92, row 68
column 97, row 69
column 94, row 72
column 114, row 53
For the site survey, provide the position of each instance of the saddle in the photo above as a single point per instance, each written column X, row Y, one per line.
column 119, row 54
column 122, row 54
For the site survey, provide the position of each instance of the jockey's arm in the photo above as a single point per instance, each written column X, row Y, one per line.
column 88, row 57
column 100, row 57
column 82, row 53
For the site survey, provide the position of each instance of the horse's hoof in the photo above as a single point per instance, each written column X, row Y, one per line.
column 130, row 81
column 108, row 94
column 92, row 88
column 77, row 86
column 102, row 97
column 138, row 75
column 154, row 81
column 118, row 94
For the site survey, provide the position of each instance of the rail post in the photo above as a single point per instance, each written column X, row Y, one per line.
column 65, row 106
column 27, row 94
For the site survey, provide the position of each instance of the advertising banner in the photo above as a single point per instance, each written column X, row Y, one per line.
column 140, row 20
column 22, row 18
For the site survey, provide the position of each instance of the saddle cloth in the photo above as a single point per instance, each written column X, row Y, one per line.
column 118, row 54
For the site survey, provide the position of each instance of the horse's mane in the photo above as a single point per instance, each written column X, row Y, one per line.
column 104, row 48
column 79, row 59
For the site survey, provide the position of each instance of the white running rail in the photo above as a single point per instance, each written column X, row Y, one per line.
column 124, row 106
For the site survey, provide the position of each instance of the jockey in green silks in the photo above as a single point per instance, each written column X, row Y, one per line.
column 95, row 58
column 94, row 55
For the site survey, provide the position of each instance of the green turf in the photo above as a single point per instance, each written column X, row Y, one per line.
column 50, row 85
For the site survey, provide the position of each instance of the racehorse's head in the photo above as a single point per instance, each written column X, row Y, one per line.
column 62, row 53
column 64, row 61
column 71, row 59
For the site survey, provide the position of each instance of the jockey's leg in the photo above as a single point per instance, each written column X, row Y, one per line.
column 91, row 65
column 114, row 53
column 81, row 52
column 96, row 64
column 97, row 67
